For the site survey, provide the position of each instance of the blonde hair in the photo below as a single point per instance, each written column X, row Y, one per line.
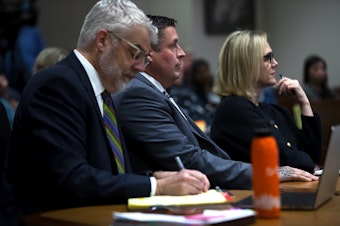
column 49, row 56
column 240, row 63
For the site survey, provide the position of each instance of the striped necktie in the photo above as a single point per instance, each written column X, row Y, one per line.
column 112, row 132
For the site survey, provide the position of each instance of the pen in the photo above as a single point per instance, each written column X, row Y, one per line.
column 227, row 194
column 179, row 163
column 281, row 76
column 217, row 188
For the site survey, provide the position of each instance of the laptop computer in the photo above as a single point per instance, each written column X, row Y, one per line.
column 327, row 182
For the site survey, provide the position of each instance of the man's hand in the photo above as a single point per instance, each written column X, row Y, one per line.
column 184, row 182
column 287, row 173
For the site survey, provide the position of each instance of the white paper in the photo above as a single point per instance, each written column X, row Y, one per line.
column 207, row 217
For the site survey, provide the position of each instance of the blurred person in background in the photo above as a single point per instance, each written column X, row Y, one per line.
column 315, row 79
column 20, row 41
column 199, row 101
column 9, row 98
column 48, row 57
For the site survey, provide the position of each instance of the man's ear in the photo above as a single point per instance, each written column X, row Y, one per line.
column 102, row 39
column 151, row 53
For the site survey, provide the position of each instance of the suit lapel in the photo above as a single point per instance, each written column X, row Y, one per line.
column 75, row 64
column 192, row 125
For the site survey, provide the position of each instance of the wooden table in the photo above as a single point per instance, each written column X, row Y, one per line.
column 328, row 214
column 305, row 186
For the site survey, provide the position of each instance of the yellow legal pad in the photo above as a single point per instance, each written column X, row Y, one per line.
column 210, row 197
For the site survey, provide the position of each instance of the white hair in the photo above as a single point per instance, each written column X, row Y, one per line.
column 113, row 15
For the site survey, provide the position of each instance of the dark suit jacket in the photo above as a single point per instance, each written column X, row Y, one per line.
column 232, row 130
column 60, row 155
column 8, row 215
column 155, row 133
column 5, row 131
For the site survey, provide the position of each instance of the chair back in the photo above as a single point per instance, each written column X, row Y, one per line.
column 329, row 112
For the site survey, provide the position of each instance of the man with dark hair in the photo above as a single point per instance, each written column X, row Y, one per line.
column 156, row 130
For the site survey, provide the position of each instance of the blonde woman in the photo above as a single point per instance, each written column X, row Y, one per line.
column 247, row 66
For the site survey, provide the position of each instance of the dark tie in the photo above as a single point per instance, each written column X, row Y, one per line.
column 112, row 132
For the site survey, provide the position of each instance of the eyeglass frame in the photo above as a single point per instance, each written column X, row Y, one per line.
column 269, row 57
column 136, row 56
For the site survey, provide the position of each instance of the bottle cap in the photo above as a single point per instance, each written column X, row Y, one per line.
column 261, row 128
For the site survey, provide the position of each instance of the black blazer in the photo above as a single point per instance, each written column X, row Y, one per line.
column 233, row 125
column 155, row 133
column 5, row 131
column 59, row 152
column 6, row 214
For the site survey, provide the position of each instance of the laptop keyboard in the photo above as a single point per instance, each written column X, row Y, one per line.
column 303, row 200
column 289, row 200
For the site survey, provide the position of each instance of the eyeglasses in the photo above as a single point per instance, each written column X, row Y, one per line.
column 139, row 55
column 269, row 57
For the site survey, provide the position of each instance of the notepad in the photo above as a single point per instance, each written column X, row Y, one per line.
column 212, row 196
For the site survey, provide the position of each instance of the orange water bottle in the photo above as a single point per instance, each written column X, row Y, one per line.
column 265, row 160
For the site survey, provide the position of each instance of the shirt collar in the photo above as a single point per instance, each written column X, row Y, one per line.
column 96, row 84
column 154, row 82
column 93, row 76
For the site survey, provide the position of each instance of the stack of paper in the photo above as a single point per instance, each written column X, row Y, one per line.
column 208, row 217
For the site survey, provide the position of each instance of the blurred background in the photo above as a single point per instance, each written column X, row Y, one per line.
column 296, row 29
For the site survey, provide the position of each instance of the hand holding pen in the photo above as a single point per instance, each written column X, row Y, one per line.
column 182, row 182
column 179, row 163
column 292, row 88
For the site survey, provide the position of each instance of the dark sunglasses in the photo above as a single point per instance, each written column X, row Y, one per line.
column 269, row 57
